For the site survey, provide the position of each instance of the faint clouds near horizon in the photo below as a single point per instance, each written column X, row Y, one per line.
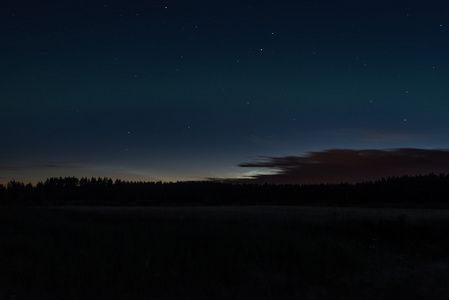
column 347, row 166
column 369, row 135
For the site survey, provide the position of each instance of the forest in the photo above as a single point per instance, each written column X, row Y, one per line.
column 417, row 191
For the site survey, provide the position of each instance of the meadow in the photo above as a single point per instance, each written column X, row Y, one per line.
column 264, row 252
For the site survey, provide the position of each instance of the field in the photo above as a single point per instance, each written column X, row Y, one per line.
column 224, row 253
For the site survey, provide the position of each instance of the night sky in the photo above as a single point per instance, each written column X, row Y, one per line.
column 193, row 90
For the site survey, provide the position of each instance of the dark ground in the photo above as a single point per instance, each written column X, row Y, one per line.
column 223, row 253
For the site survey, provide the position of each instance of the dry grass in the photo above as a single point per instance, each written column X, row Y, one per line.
column 223, row 253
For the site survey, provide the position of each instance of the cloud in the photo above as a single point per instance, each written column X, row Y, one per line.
column 9, row 168
column 44, row 166
column 345, row 165
column 379, row 136
column 388, row 136
column 264, row 139
column 60, row 165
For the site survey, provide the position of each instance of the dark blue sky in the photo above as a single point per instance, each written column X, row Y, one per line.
column 188, row 90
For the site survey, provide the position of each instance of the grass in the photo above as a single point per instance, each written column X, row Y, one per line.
column 170, row 253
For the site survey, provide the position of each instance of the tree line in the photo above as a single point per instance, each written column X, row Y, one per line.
column 422, row 190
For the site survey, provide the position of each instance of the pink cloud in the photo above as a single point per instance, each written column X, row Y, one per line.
column 345, row 165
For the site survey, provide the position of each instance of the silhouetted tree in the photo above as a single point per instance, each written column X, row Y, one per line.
column 423, row 190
